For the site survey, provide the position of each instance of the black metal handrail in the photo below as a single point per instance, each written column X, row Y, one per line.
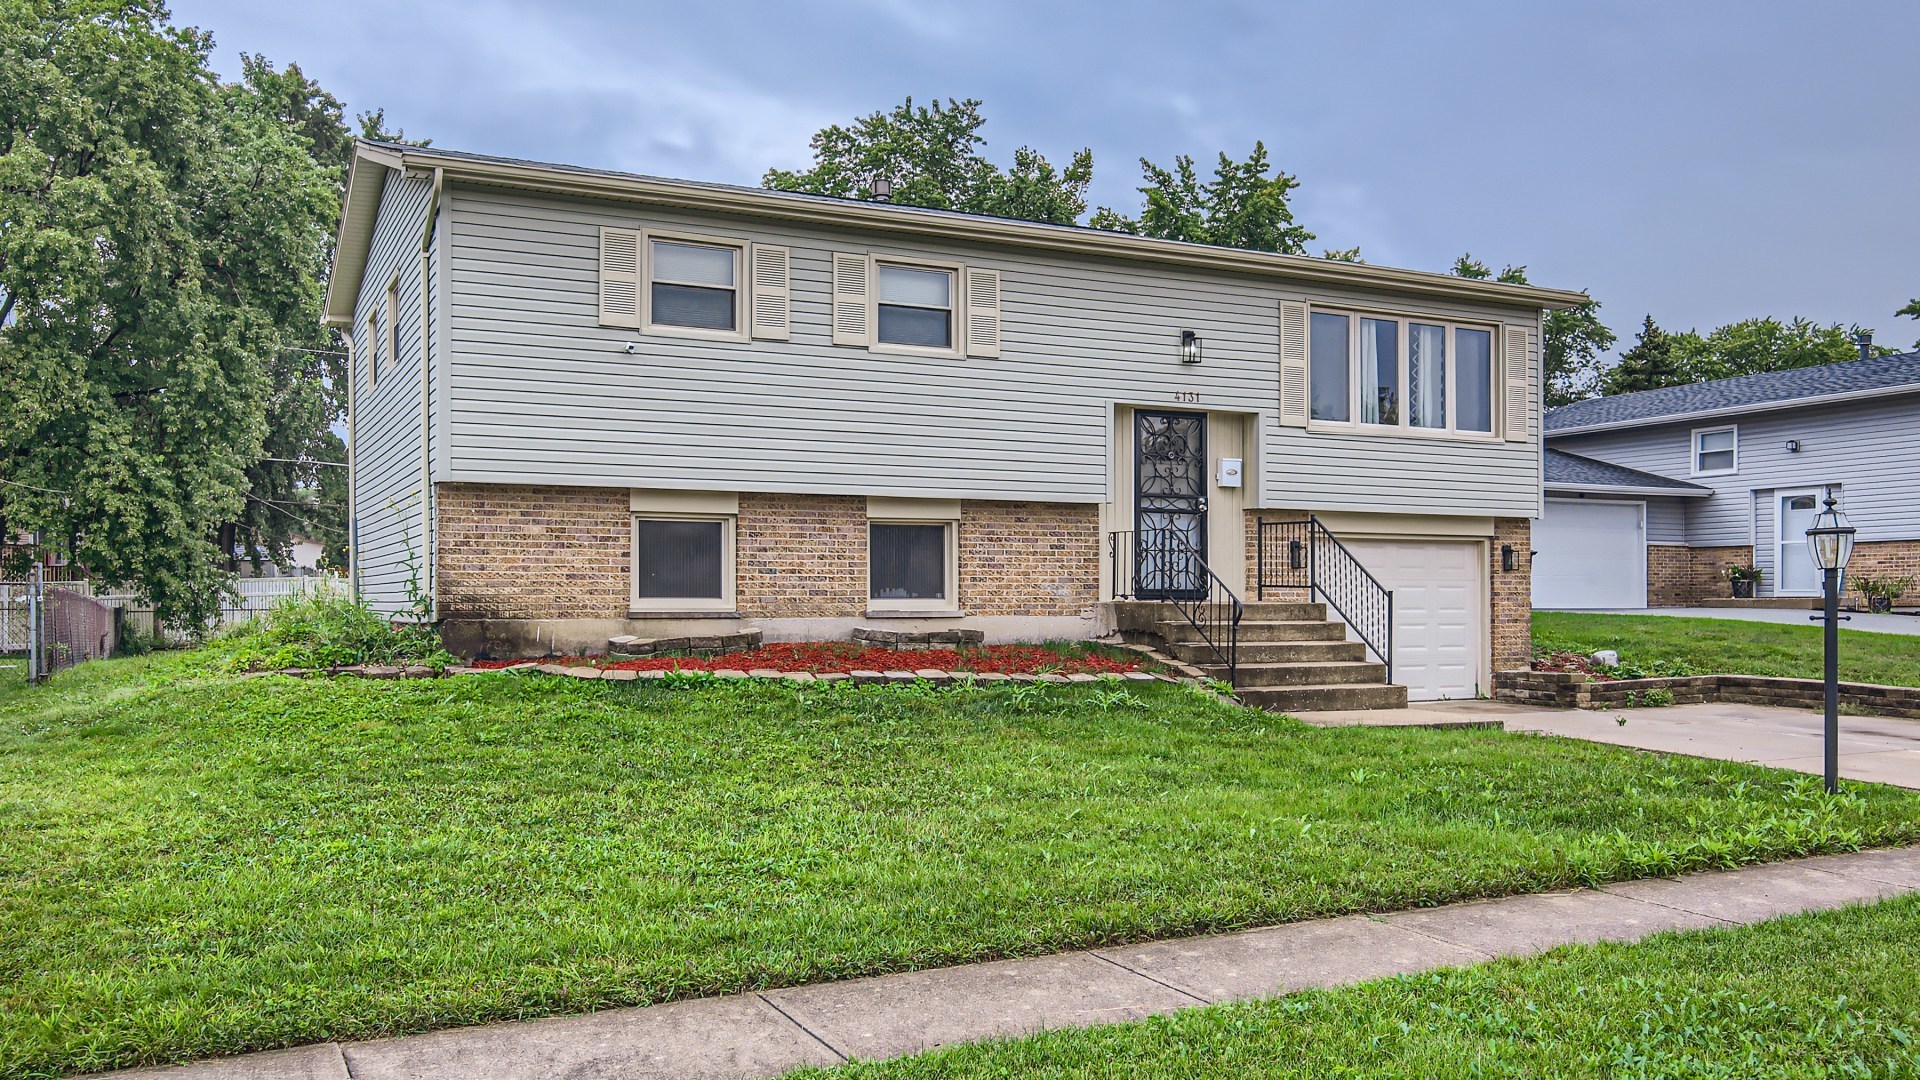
column 1306, row 555
column 1161, row 564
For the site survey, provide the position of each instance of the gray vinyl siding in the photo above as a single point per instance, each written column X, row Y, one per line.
column 538, row 392
column 388, row 415
column 1666, row 521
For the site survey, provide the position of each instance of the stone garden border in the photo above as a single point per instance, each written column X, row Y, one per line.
column 1577, row 690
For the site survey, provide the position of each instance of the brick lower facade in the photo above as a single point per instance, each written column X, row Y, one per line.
column 1687, row 576
column 1511, row 603
column 509, row 551
column 1887, row 558
column 522, row 552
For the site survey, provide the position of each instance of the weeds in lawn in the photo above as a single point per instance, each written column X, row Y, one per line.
column 323, row 630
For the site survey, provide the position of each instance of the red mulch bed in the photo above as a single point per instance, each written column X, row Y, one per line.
column 847, row 656
column 1571, row 661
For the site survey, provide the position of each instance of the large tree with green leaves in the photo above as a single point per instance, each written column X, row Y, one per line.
column 1754, row 346
column 1244, row 205
column 930, row 156
column 1574, row 338
column 1912, row 311
column 164, row 245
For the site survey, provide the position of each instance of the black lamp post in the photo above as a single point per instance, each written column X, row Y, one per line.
column 1830, row 542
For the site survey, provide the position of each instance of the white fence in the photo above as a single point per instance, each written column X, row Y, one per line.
column 255, row 596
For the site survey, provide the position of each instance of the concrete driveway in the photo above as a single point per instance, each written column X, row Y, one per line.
column 1881, row 749
column 1857, row 620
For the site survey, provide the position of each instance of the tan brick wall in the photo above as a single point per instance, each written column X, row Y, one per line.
column 801, row 556
column 1684, row 576
column 519, row 552
column 1029, row 558
column 1886, row 558
column 1511, row 603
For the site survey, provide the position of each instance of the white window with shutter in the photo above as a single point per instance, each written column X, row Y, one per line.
column 620, row 277
column 693, row 286
column 1293, row 363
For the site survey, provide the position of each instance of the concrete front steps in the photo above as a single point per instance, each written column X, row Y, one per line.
column 1293, row 658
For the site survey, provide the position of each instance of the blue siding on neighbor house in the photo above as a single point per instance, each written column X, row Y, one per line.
column 1870, row 450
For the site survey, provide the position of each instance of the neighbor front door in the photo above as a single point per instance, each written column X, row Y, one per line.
column 1795, row 574
column 1170, row 505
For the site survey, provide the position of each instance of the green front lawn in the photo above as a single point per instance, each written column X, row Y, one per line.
column 1673, row 645
column 193, row 863
column 1831, row 994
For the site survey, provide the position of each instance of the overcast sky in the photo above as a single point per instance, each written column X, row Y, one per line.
column 1705, row 162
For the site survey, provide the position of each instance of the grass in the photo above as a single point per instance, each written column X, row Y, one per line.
column 194, row 863
column 1673, row 645
column 1832, row 994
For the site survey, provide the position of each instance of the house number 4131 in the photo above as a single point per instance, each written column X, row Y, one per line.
column 1187, row 397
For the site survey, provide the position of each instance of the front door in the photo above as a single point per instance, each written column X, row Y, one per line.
column 1794, row 574
column 1169, row 505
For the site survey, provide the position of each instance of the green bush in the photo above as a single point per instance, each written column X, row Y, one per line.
column 317, row 631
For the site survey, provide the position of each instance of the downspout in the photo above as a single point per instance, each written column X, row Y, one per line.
column 353, row 472
column 427, row 553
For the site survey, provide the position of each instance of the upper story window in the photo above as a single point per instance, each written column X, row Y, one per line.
column 392, row 342
column 375, row 343
column 1716, row 450
column 693, row 286
column 1384, row 371
column 914, row 306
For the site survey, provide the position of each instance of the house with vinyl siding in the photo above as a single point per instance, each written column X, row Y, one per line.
column 591, row 404
column 1651, row 495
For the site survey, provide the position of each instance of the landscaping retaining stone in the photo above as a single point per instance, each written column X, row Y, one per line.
column 918, row 639
column 705, row 645
column 1577, row 690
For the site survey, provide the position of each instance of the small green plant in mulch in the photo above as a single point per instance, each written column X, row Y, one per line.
column 323, row 630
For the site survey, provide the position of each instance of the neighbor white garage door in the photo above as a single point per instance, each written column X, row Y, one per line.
column 1590, row 554
column 1439, row 612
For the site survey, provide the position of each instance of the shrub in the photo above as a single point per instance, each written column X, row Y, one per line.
column 318, row 631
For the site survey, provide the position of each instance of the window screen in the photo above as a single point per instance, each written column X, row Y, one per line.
column 908, row 562
column 1331, row 378
column 1715, row 450
column 916, row 307
column 693, row 285
column 1379, row 371
column 1473, row 380
column 679, row 560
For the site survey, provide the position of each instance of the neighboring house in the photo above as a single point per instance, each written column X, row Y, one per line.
column 303, row 560
column 590, row 403
column 1651, row 495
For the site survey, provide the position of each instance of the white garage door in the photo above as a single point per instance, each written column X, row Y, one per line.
column 1439, row 612
column 1590, row 554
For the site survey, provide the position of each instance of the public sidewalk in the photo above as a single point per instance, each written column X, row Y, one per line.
column 764, row 1034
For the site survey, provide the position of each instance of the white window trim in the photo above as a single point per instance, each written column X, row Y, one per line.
column 951, row 602
column 392, row 301
column 373, row 349
column 740, row 331
column 1693, row 462
column 729, row 525
column 956, row 310
column 1406, row 428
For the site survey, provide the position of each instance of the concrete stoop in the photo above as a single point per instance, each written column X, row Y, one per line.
column 1293, row 658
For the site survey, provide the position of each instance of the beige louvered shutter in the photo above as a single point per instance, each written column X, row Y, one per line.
column 983, row 312
column 619, row 277
column 851, row 314
column 1293, row 363
column 772, row 292
column 1517, row 366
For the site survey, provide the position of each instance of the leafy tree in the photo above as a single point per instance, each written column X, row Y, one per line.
column 1912, row 310
column 931, row 157
column 1649, row 364
column 162, row 234
column 1242, row 206
column 1351, row 255
column 1574, row 338
column 1753, row 346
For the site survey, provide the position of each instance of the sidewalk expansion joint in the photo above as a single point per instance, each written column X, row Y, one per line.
column 1181, row 990
column 795, row 1021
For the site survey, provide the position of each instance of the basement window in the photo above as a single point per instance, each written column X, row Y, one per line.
column 683, row 563
column 911, row 565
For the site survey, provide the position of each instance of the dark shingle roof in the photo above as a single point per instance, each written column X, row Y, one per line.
column 1564, row 470
column 1772, row 388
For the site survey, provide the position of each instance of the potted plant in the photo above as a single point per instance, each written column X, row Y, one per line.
column 1881, row 592
column 1742, row 578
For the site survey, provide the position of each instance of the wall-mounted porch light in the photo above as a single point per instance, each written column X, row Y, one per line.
column 1506, row 557
column 1189, row 347
column 1296, row 555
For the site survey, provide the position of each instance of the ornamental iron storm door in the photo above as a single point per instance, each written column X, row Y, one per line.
column 1170, row 505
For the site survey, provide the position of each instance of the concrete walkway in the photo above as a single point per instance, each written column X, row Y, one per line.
column 765, row 1034
column 1878, row 749
column 1857, row 620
